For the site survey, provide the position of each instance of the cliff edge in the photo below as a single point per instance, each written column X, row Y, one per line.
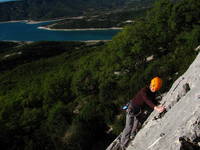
column 179, row 127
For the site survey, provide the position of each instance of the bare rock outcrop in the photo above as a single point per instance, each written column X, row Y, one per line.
column 179, row 127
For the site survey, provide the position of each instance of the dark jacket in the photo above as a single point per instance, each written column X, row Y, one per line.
column 144, row 96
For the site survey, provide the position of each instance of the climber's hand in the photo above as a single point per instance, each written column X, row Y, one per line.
column 159, row 109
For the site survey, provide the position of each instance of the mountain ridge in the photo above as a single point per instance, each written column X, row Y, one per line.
column 43, row 9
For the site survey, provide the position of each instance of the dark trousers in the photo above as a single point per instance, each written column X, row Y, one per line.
column 130, row 127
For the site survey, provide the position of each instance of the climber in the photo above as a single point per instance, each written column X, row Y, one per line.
column 145, row 96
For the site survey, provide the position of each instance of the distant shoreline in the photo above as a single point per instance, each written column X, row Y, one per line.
column 57, row 19
column 13, row 21
column 83, row 29
column 41, row 21
column 31, row 21
column 28, row 42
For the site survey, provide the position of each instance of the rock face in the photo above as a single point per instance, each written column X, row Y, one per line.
column 179, row 127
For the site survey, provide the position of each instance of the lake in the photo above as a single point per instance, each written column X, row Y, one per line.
column 21, row 31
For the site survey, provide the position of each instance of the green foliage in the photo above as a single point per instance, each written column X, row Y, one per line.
column 57, row 88
column 5, row 46
column 185, row 15
column 58, row 120
column 83, row 83
column 106, row 90
column 67, row 95
column 102, row 19
column 35, row 51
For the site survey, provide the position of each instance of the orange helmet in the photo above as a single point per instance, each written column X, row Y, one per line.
column 156, row 83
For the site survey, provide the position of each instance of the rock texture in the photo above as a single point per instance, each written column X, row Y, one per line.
column 179, row 127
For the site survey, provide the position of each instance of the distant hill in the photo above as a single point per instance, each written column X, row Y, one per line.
column 47, row 9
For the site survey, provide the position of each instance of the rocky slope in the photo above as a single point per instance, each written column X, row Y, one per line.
column 179, row 127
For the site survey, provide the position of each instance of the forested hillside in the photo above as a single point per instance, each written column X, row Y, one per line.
column 48, row 9
column 69, row 95
column 102, row 19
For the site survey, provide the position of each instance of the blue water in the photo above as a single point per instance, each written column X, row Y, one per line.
column 20, row 31
column 7, row 0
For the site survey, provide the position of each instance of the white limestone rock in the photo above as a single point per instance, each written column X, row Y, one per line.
column 179, row 127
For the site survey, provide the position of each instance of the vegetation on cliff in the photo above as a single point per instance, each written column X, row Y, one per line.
column 69, row 95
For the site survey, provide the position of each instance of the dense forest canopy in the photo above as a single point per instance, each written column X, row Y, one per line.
column 68, row 96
